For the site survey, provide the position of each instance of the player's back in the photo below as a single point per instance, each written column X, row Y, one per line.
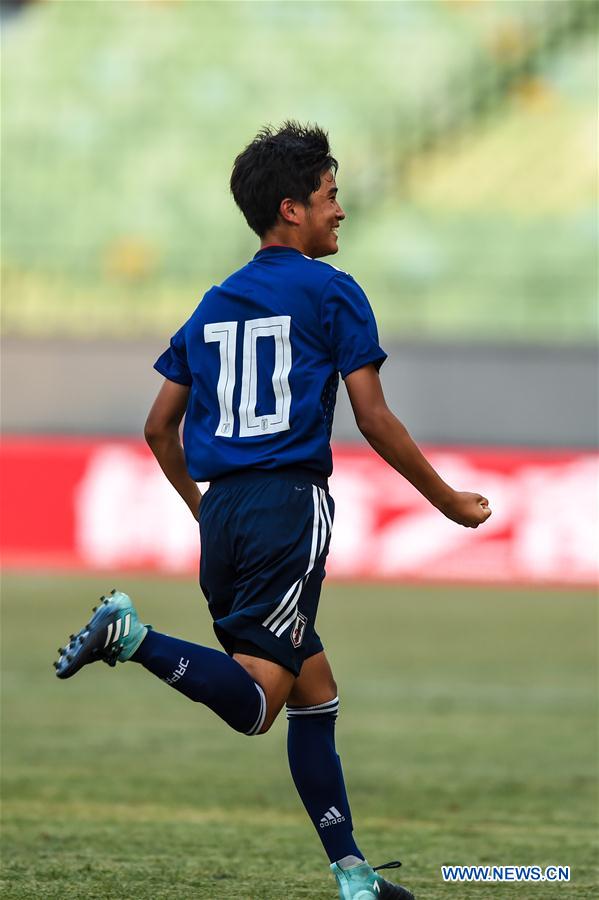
column 261, row 354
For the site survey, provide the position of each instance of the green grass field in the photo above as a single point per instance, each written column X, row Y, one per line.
column 467, row 736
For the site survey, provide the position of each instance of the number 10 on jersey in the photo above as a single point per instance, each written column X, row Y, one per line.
column 225, row 334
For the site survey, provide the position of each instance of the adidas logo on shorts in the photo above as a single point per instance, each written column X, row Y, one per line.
column 331, row 817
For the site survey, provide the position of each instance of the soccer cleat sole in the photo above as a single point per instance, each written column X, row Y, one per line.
column 390, row 891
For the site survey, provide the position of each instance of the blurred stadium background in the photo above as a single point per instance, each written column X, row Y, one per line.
column 467, row 136
column 465, row 131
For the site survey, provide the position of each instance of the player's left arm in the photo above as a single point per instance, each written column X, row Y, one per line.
column 162, row 434
column 391, row 440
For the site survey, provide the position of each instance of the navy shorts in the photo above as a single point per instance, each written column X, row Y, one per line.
column 265, row 537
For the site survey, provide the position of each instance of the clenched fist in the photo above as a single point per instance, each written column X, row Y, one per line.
column 469, row 510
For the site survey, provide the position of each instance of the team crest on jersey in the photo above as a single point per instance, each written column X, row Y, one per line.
column 297, row 632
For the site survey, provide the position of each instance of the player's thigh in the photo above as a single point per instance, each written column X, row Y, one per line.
column 275, row 681
column 315, row 683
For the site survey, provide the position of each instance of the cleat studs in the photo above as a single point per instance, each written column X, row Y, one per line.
column 69, row 657
column 113, row 591
column 55, row 664
column 61, row 650
column 94, row 608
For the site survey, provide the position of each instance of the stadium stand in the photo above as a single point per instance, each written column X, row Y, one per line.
column 465, row 132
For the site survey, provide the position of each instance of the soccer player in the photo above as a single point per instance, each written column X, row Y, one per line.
column 255, row 371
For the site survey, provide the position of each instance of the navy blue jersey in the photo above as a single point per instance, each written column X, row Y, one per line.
column 262, row 354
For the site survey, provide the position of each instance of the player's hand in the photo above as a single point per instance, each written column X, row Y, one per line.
column 469, row 510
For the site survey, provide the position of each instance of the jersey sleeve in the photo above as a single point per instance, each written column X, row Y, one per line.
column 173, row 362
column 349, row 326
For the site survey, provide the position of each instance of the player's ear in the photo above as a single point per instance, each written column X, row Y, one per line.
column 289, row 211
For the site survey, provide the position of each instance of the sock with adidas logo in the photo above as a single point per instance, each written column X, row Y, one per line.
column 318, row 776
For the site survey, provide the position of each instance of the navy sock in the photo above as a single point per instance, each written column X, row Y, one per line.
column 316, row 771
column 206, row 676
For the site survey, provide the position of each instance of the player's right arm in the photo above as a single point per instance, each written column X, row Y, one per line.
column 162, row 434
column 391, row 440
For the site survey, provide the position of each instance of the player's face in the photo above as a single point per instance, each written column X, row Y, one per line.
column 322, row 217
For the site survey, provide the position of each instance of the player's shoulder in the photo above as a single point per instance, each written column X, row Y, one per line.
column 197, row 317
column 323, row 269
column 327, row 275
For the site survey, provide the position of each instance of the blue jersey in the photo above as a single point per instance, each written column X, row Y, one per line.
column 262, row 354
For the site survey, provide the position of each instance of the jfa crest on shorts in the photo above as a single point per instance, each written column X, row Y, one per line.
column 297, row 632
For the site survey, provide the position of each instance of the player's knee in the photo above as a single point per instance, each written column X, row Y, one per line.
column 325, row 693
column 255, row 734
column 264, row 729
column 327, row 708
column 270, row 717
column 270, row 714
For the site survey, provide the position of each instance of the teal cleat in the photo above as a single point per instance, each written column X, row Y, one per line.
column 361, row 882
column 113, row 634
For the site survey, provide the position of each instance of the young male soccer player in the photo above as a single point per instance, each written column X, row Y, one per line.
column 255, row 371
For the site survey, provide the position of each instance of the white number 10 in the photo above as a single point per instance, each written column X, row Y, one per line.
column 225, row 334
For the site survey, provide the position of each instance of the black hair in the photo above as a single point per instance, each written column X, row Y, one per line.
column 278, row 164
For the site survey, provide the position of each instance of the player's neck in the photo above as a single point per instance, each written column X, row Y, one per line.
column 279, row 238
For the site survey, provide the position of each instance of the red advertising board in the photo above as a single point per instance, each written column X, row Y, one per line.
column 104, row 504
